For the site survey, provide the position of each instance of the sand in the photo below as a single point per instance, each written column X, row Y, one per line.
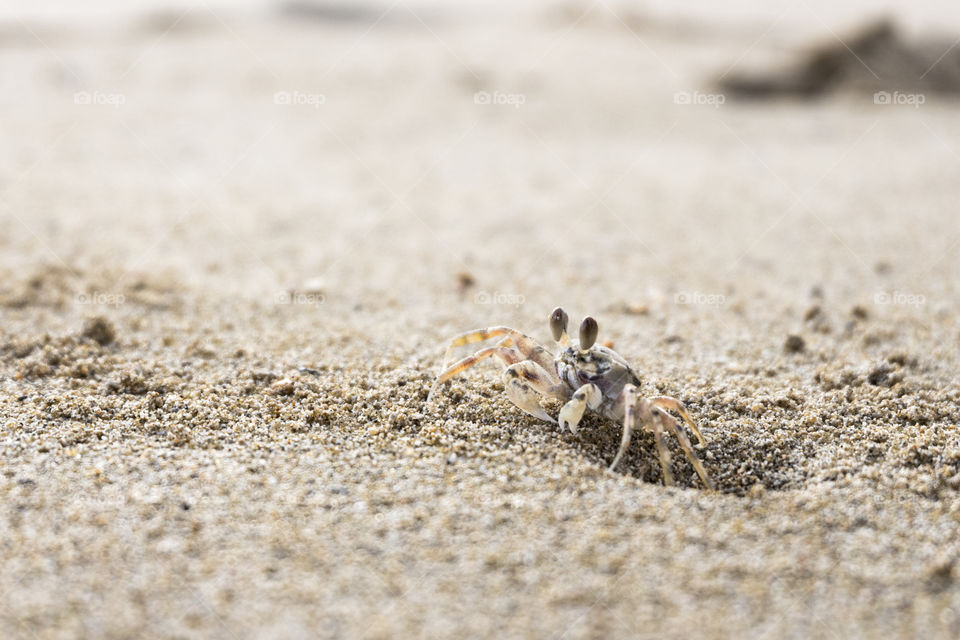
column 232, row 251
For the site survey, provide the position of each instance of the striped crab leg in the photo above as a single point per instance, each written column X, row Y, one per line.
column 670, row 425
column 530, row 348
column 502, row 350
column 666, row 402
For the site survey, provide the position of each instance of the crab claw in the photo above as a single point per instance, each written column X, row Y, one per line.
column 570, row 415
column 523, row 395
column 587, row 396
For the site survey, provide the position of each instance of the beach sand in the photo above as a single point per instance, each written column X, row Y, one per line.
column 233, row 252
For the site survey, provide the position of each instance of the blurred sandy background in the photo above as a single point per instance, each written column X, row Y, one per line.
column 234, row 238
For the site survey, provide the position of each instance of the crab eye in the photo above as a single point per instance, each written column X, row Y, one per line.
column 588, row 332
column 558, row 323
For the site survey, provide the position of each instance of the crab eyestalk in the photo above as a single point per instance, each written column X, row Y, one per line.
column 588, row 333
column 558, row 325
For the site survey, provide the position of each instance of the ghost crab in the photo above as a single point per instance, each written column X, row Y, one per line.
column 583, row 375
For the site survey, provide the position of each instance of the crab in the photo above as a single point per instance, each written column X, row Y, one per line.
column 583, row 375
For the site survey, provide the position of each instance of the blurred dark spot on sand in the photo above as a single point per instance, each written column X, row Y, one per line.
column 346, row 13
column 873, row 59
column 100, row 330
column 465, row 280
column 170, row 21
column 794, row 344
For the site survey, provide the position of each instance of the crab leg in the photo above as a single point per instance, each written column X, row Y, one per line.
column 658, row 430
column 472, row 337
column 588, row 395
column 526, row 345
column 632, row 408
column 629, row 398
column 507, row 355
column 666, row 402
column 674, row 428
